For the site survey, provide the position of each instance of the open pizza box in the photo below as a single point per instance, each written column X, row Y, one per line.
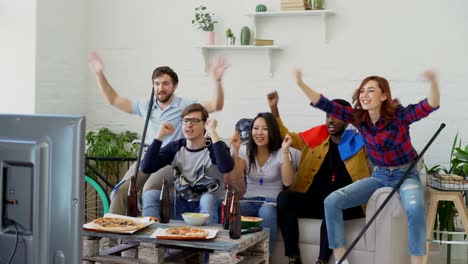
column 141, row 222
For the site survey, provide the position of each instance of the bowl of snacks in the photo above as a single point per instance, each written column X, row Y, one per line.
column 251, row 221
column 195, row 219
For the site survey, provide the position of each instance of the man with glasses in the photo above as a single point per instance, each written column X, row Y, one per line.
column 167, row 108
column 195, row 159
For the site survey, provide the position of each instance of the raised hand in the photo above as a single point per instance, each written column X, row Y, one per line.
column 219, row 68
column 273, row 99
column 165, row 129
column 235, row 141
column 95, row 62
column 287, row 141
column 297, row 75
column 313, row 95
column 211, row 124
column 430, row 75
column 434, row 91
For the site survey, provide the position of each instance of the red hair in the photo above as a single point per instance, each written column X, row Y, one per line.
column 388, row 108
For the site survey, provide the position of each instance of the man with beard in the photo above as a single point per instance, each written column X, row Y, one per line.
column 167, row 108
column 332, row 157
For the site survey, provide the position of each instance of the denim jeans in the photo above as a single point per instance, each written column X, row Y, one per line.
column 264, row 208
column 208, row 204
column 411, row 194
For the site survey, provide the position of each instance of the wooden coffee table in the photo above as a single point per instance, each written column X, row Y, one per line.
column 251, row 248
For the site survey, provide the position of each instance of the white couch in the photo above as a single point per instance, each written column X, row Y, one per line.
column 385, row 242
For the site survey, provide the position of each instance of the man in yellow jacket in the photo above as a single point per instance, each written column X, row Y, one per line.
column 332, row 157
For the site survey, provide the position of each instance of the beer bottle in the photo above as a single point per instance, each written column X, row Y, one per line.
column 234, row 217
column 225, row 206
column 132, row 203
column 164, row 204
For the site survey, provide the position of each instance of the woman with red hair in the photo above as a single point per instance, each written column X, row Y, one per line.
column 384, row 125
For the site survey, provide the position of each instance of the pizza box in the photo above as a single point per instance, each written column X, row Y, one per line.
column 160, row 233
column 144, row 221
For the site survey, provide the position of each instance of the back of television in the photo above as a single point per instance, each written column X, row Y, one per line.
column 41, row 178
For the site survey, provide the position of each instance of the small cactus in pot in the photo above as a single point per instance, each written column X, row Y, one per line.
column 261, row 8
column 245, row 36
column 230, row 38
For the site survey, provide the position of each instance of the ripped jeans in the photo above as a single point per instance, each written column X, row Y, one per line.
column 411, row 194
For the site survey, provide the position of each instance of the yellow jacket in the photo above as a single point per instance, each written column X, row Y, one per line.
column 312, row 158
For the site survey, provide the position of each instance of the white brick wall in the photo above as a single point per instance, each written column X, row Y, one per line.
column 17, row 56
column 395, row 39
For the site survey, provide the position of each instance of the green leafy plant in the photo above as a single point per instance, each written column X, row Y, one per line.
column 105, row 143
column 203, row 19
column 229, row 33
column 458, row 160
column 446, row 212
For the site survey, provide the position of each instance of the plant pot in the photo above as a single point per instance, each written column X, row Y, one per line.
column 231, row 41
column 210, row 37
column 316, row 4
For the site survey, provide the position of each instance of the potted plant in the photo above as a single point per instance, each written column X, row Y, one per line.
column 105, row 143
column 204, row 20
column 446, row 213
column 230, row 38
column 316, row 4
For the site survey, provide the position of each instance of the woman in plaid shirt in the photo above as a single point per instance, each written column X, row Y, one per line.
column 384, row 125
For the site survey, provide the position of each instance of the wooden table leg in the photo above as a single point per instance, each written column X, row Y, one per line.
column 90, row 248
column 222, row 257
column 130, row 253
column 261, row 248
column 150, row 253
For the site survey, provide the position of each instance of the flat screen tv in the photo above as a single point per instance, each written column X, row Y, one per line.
column 41, row 179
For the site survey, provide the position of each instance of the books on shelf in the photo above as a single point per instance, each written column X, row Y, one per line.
column 294, row 1
column 293, row 8
column 263, row 42
column 292, row 5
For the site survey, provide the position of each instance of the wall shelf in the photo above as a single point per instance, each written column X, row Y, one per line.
column 267, row 49
column 325, row 13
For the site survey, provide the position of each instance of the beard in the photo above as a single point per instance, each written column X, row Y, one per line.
column 337, row 132
column 164, row 98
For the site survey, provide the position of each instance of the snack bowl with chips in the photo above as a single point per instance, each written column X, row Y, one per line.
column 195, row 219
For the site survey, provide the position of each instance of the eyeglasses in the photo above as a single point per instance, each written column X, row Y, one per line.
column 192, row 121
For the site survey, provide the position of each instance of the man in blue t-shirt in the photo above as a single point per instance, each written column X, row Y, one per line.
column 167, row 108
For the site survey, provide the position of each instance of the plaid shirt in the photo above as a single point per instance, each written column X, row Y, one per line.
column 386, row 145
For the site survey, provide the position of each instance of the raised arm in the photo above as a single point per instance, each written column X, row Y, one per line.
column 211, row 129
column 434, row 93
column 273, row 99
column 217, row 102
column 297, row 141
column 238, row 173
column 313, row 96
column 112, row 97
column 287, row 172
column 155, row 157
